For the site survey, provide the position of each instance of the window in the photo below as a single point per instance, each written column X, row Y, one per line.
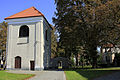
column 24, row 31
column 46, row 35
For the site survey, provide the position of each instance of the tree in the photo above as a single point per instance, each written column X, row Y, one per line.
column 103, row 26
column 66, row 26
column 3, row 38
column 117, row 59
column 87, row 23
column 53, row 43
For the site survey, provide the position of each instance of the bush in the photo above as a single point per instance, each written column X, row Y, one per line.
column 117, row 59
column 102, row 65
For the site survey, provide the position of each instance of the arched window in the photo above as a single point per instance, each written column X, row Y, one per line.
column 46, row 35
column 24, row 31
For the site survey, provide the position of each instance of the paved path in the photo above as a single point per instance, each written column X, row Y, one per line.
column 113, row 76
column 42, row 75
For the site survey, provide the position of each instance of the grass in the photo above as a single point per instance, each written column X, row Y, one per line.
column 10, row 76
column 89, row 74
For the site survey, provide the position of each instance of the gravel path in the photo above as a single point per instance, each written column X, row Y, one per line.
column 42, row 75
column 113, row 76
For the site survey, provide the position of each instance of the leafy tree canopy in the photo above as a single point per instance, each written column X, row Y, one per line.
column 87, row 23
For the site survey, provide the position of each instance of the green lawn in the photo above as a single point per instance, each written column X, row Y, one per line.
column 88, row 74
column 10, row 76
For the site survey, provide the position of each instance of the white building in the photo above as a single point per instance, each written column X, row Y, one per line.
column 108, row 53
column 28, row 40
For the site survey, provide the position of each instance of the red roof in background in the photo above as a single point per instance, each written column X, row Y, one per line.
column 30, row 12
column 108, row 45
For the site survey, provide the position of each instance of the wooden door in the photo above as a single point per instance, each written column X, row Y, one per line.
column 18, row 62
column 32, row 65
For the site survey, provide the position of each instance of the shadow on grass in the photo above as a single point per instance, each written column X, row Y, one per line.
column 88, row 74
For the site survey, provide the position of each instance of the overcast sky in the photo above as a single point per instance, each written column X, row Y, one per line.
column 10, row 7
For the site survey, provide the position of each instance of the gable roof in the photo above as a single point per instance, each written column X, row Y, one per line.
column 108, row 45
column 30, row 12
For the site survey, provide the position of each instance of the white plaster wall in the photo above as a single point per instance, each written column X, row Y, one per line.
column 39, row 46
column 9, row 45
column 24, row 50
column 47, row 45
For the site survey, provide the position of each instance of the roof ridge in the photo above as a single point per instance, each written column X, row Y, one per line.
column 20, row 11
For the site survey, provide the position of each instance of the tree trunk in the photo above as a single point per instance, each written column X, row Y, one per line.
column 93, row 54
column 94, row 63
column 0, row 64
column 76, row 60
column 82, row 64
column 4, row 65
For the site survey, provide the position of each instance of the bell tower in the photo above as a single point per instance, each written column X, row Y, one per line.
column 28, row 40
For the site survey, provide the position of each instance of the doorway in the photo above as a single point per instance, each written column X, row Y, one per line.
column 18, row 62
column 32, row 65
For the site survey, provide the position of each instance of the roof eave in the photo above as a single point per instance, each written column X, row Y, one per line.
column 22, row 17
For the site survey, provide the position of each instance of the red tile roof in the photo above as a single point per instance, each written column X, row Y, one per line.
column 30, row 12
column 108, row 45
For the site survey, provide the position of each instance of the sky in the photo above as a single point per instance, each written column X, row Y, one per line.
column 10, row 7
